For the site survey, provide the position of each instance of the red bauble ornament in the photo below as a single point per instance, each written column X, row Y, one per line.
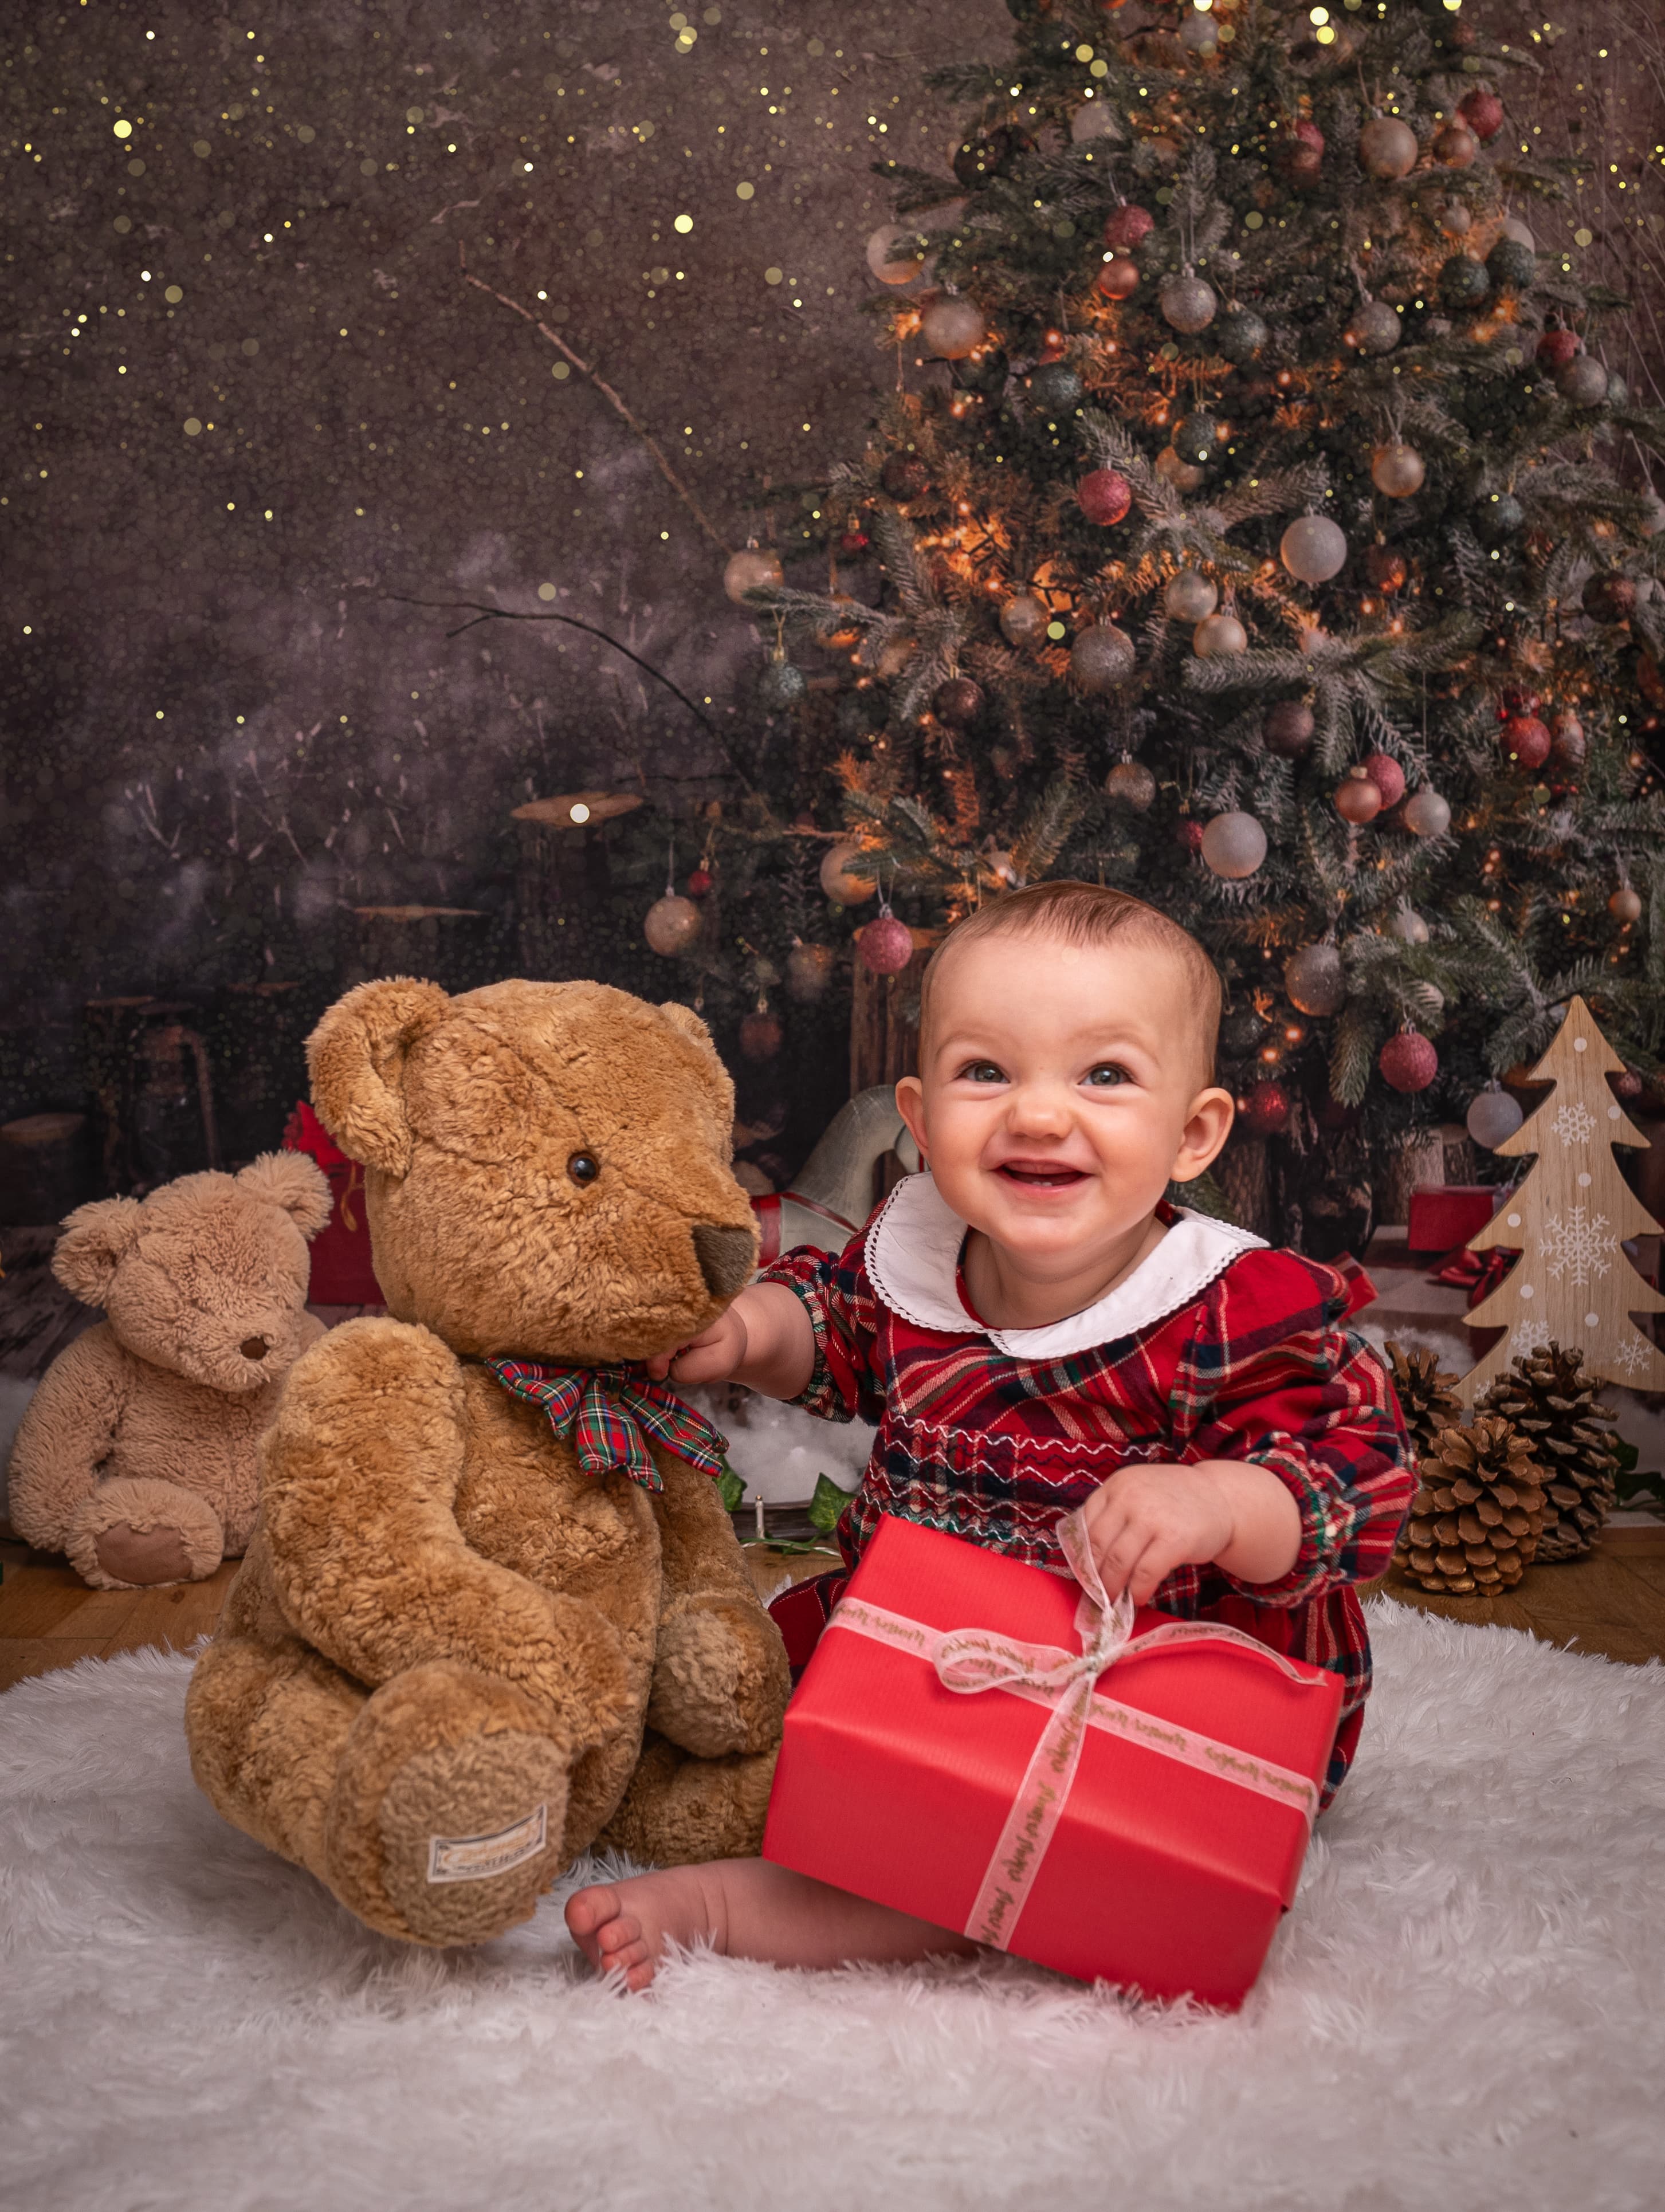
column 1117, row 280
column 1386, row 773
column 1518, row 703
column 1187, row 831
column 1264, row 1108
column 1557, row 348
column 760, row 1035
column 1609, row 599
column 958, row 702
column 1408, row 1061
column 699, row 881
column 1105, row 495
column 852, row 542
column 1126, row 228
column 903, row 476
column 1482, row 112
column 1526, row 740
column 886, row 945
column 1301, row 158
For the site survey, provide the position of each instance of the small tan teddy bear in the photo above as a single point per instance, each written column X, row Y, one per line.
column 136, row 1454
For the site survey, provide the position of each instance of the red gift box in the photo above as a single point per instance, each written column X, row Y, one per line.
column 1448, row 1214
column 342, row 1273
column 927, row 1765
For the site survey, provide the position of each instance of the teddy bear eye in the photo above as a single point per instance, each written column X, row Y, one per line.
column 583, row 1167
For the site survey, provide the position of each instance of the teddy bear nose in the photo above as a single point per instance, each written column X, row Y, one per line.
column 254, row 1348
column 725, row 1256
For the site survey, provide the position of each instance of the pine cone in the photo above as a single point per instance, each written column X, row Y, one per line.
column 1551, row 1400
column 1425, row 1394
column 1475, row 1521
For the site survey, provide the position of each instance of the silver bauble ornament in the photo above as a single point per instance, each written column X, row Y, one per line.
column 1023, row 619
column 1583, row 381
column 1130, row 783
column 781, row 683
column 894, row 236
column 1234, row 845
column 952, row 327
column 754, row 568
column 1102, row 657
column 1190, row 598
column 1173, row 471
column 1375, row 327
column 1313, row 549
column 1198, row 33
column 1520, row 232
column 835, row 879
column 1094, row 119
column 1492, row 1118
column 1315, row 979
column 1216, row 635
column 1386, row 147
column 1397, row 470
column 1653, row 518
column 1425, row 814
column 671, row 924
column 1408, row 926
column 1187, row 303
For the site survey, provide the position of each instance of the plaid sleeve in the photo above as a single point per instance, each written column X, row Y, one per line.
column 844, row 1315
column 1274, row 1377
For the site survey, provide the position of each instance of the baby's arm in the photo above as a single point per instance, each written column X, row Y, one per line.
column 766, row 1340
column 1145, row 1521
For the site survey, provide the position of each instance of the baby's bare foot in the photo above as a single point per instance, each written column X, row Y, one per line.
column 626, row 1924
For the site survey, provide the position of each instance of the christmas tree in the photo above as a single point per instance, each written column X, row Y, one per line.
column 1251, row 535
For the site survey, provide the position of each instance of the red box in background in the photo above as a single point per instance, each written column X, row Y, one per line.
column 1162, row 1875
column 343, row 1274
column 1448, row 1215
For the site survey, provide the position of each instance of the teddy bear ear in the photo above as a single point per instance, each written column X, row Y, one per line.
column 685, row 1019
column 96, row 1239
column 356, row 1058
column 294, row 1183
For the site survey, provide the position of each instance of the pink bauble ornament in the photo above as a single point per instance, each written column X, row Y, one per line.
column 1386, row 773
column 886, row 945
column 1357, row 800
column 1218, row 635
column 1557, row 348
column 1526, row 740
column 1117, row 279
column 1387, row 148
column 952, row 327
column 1127, row 227
column 671, row 924
column 1234, row 845
column 1483, row 112
column 1105, row 496
column 1407, row 1061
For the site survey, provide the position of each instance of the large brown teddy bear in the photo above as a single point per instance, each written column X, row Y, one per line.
column 136, row 1454
column 454, row 1657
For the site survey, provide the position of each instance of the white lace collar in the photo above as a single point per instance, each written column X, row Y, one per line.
column 913, row 1261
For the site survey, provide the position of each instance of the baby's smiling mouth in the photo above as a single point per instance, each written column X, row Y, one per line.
column 1040, row 1175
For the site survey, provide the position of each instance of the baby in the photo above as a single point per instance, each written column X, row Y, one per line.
column 1035, row 1328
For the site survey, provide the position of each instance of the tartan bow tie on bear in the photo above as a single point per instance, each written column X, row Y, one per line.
column 605, row 1410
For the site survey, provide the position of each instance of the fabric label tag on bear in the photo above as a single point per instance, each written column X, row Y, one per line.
column 477, row 1858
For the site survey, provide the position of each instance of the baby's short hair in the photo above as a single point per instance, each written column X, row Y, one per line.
column 1091, row 915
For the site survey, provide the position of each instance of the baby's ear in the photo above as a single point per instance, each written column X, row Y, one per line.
column 295, row 1183
column 356, row 1060
column 96, row 1239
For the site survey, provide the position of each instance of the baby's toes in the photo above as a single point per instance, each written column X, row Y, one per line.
column 621, row 1943
column 588, row 1910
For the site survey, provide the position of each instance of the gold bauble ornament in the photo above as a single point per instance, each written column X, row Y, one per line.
column 1397, row 470
column 754, row 568
column 835, row 878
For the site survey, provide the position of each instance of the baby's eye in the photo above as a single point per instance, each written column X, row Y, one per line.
column 982, row 1071
column 1105, row 1075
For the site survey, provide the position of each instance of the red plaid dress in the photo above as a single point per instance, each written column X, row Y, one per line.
column 1215, row 1347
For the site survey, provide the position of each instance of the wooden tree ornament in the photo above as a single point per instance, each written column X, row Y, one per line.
column 1568, row 1219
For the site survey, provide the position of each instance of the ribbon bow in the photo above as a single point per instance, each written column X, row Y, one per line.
column 605, row 1410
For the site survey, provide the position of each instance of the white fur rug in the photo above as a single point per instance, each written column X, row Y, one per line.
column 1465, row 2011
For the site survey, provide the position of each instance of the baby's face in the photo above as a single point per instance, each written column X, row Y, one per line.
column 1062, row 1089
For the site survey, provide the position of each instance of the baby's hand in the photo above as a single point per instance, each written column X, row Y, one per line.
column 711, row 1357
column 1146, row 1521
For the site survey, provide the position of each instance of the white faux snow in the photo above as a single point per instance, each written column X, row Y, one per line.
column 778, row 1451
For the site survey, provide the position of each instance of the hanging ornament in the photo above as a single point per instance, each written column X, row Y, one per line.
column 1094, row 119
column 1288, row 728
column 1426, row 814
column 1129, row 226
column 904, row 476
column 951, row 327
column 1102, row 657
column 671, row 924
column 1187, row 303
column 1408, row 926
column 1217, row 636
column 699, row 883
column 1198, row 33
column 1002, row 865
column 1653, row 518
column 1566, row 747
column 1188, row 832
column 760, row 1034
column 1454, row 220
column 886, row 945
column 1055, row 389
column 1407, row 1061
column 1117, row 279
column 1386, row 773
column 1526, row 740
column 1455, row 146
column 880, row 244
column 1512, row 227
column 1619, row 392
column 780, row 684
column 1493, row 1117
column 1195, row 437
column 1173, row 471
column 1130, row 783
column 977, row 160
column 1499, row 519
column 1397, row 470
column 754, row 568
column 1387, row 569
column 1301, row 158
column 1313, row 548
column 1190, row 597
column 1357, row 800
column 1241, row 1032
column 809, row 971
column 837, row 882
column 1239, row 335
column 1315, row 979
column 958, row 702
column 1625, row 905
column 1483, row 112
column 1608, row 598
column 1511, row 265
column 851, row 543
column 1463, row 281
column 1105, row 496
column 1023, row 619
column 1583, row 381
column 1375, row 327
column 1264, row 1108
column 1234, row 845
column 1557, row 346
column 1386, row 147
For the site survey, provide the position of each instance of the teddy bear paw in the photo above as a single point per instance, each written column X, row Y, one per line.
column 135, row 1533
column 719, row 1679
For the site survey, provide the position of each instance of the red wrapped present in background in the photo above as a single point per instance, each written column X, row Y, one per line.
column 1448, row 1214
column 343, row 1274
column 993, row 1748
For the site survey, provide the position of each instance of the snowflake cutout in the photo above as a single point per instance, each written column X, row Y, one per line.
column 1526, row 1338
column 1632, row 1354
column 1579, row 1247
column 1574, row 1124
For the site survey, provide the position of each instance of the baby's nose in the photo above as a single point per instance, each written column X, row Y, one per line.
column 254, row 1348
